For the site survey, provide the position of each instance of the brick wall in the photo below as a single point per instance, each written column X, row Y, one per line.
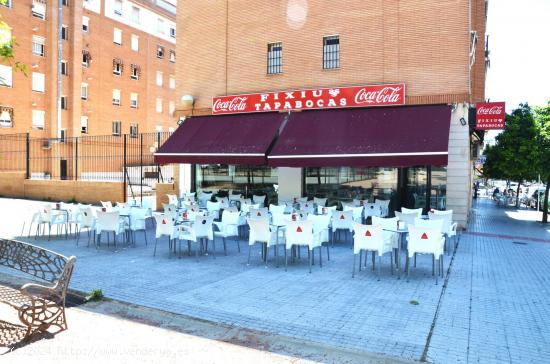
column 222, row 47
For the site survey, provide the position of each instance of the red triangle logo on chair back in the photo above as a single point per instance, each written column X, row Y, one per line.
column 185, row 215
column 258, row 213
column 169, row 209
column 424, row 236
column 85, row 214
column 299, row 229
column 163, row 222
column 368, row 233
column 342, row 217
column 45, row 211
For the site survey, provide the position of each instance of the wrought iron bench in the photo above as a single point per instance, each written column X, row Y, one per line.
column 39, row 306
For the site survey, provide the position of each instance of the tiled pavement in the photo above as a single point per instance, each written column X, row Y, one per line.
column 492, row 309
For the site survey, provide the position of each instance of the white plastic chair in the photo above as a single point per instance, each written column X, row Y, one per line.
column 320, row 201
column 300, row 233
column 228, row 227
column 321, row 227
column 205, row 197
column 200, row 230
column 307, row 207
column 408, row 219
column 384, row 206
column 258, row 213
column 49, row 218
column 388, row 224
column 259, row 199
column 373, row 209
column 87, row 221
column 371, row 238
column 109, row 222
column 426, row 241
column 165, row 227
column 172, row 199
column 418, row 212
column 223, row 201
column 359, row 202
column 261, row 232
column 341, row 220
column 245, row 207
column 213, row 209
column 449, row 227
column 138, row 217
column 107, row 205
column 277, row 208
column 357, row 213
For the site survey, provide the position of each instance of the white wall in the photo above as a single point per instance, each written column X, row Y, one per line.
column 459, row 182
column 290, row 183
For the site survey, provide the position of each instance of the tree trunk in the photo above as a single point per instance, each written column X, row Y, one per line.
column 545, row 204
column 517, row 194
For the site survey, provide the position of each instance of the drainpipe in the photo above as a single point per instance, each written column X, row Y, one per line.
column 59, row 56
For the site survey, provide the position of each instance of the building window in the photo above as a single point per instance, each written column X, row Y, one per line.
column 117, row 7
column 84, row 91
column 62, row 134
column 64, row 103
column 117, row 36
column 331, row 52
column 134, row 44
column 172, row 56
column 38, row 82
column 135, row 14
column 117, row 66
column 133, row 130
column 5, row 76
column 65, row 2
column 171, row 107
column 158, row 106
column 38, row 119
column 84, row 124
column 160, row 52
column 172, row 32
column 64, row 32
column 38, row 45
column 116, row 97
column 159, row 78
column 274, row 58
column 133, row 100
column 172, row 82
column 116, row 127
column 6, row 117
column 85, row 24
column 136, row 70
column 64, row 68
column 86, row 59
column 160, row 26
column 39, row 9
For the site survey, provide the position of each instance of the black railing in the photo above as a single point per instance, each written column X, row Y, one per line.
column 126, row 158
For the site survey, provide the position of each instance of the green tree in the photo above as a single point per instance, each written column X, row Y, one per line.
column 542, row 117
column 516, row 153
column 7, row 43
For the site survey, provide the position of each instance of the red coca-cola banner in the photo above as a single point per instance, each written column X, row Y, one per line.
column 490, row 115
column 324, row 98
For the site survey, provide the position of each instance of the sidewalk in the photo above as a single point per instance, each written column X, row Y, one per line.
column 494, row 306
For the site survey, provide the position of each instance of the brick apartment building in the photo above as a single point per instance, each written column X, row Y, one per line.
column 117, row 68
column 435, row 48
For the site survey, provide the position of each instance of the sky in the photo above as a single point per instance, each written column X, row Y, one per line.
column 519, row 45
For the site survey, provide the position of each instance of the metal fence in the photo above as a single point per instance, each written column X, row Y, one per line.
column 126, row 158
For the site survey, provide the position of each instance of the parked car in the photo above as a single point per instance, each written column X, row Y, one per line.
column 534, row 196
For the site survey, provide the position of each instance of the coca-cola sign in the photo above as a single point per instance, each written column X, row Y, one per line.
column 324, row 98
column 490, row 115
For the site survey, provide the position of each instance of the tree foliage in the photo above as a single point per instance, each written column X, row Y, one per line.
column 7, row 44
column 542, row 117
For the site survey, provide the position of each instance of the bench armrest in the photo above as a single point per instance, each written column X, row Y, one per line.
column 34, row 290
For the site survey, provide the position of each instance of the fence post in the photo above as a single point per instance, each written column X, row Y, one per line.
column 27, row 157
column 124, row 171
column 76, row 159
column 141, row 169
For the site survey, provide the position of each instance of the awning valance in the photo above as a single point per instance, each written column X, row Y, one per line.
column 376, row 137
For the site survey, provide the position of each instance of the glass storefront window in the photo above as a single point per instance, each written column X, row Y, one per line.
column 246, row 180
column 344, row 184
column 415, row 196
column 439, row 188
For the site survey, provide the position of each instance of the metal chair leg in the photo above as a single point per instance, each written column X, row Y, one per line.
column 353, row 269
column 238, row 244
column 408, row 267
column 155, row 250
column 249, row 249
column 286, row 259
column 320, row 257
column 360, row 258
column 310, row 256
column 379, row 264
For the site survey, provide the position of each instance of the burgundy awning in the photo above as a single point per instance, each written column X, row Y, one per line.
column 224, row 139
column 377, row 137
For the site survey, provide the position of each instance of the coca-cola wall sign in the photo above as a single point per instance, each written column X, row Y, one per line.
column 490, row 115
column 323, row 98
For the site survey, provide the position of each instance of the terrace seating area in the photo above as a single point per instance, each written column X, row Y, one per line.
column 207, row 225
